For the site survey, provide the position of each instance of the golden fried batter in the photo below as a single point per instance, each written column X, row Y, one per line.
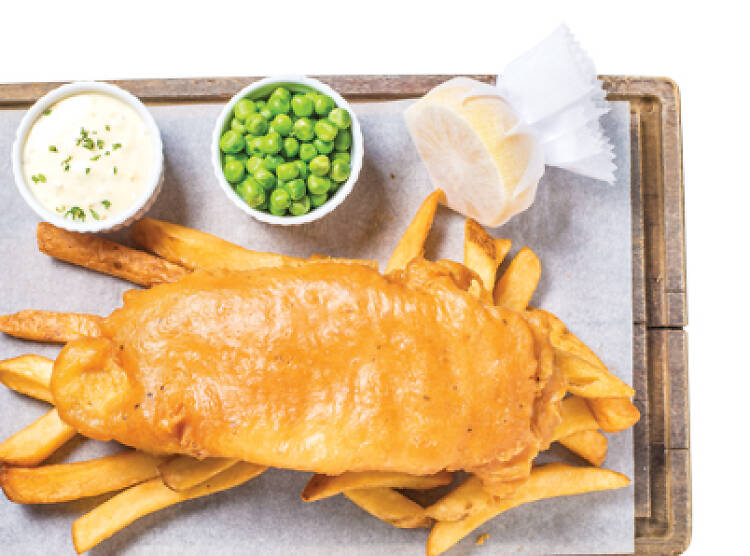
column 323, row 367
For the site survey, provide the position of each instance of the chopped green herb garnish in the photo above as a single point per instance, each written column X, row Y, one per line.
column 107, row 153
column 96, row 157
column 39, row 178
column 116, row 146
column 99, row 144
column 106, row 203
column 60, row 209
column 52, row 149
column 114, row 170
column 88, row 143
column 76, row 213
column 65, row 163
column 47, row 112
column 88, row 170
column 106, row 127
column 94, row 214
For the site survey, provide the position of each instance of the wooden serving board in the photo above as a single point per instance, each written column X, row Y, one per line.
column 662, row 450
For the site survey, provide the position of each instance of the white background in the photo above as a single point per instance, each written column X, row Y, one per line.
column 702, row 46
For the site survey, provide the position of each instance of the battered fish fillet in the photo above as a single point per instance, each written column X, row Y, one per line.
column 320, row 367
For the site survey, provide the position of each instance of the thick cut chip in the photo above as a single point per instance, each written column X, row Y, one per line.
column 29, row 375
column 194, row 249
column 469, row 497
column 590, row 445
column 37, row 442
column 411, row 244
column 547, row 481
column 70, row 481
column 183, row 472
column 50, row 326
column 390, row 506
column 124, row 508
column 95, row 253
column 614, row 414
column 483, row 253
column 322, row 486
column 517, row 284
column 590, row 381
column 576, row 416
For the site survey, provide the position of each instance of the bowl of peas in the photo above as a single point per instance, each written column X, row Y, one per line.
column 287, row 150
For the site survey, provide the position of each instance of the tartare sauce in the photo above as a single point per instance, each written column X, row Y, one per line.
column 89, row 156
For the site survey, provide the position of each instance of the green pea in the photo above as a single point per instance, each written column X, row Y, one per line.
column 291, row 147
column 265, row 178
column 343, row 140
column 282, row 92
column 320, row 165
column 256, row 125
column 300, row 207
column 251, row 192
column 323, row 105
column 340, row 170
column 271, row 143
column 282, row 124
column 241, row 156
column 340, row 117
column 253, row 163
column 325, row 129
column 346, row 157
column 278, row 105
column 244, row 108
column 232, row 141
column 272, row 161
column 279, row 200
column 302, row 105
column 325, row 147
column 296, row 188
column 266, row 113
column 260, row 105
column 237, row 125
column 255, row 145
column 307, row 152
column 317, row 200
column 318, row 185
column 302, row 167
column 303, row 129
column 234, row 171
column 287, row 171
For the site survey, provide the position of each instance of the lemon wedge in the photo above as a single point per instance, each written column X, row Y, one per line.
column 476, row 150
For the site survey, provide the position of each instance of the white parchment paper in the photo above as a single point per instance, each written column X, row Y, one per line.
column 580, row 229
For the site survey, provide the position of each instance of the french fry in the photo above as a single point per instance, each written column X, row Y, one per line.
column 547, row 481
column 483, row 253
column 469, row 497
column 517, row 284
column 576, row 417
column 184, row 472
column 614, row 414
column 322, row 486
column 389, row 506
column 590, row 381
column 124, row 508
column 105, row 256
column 32, row 445
column 28, row 374
column 50, row 326
column 194, row 249
column 590, row 445
column 563, row 339
column 71, row 481
column 412, row 242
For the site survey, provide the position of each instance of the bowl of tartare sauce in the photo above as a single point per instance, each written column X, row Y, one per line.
column 88, row 157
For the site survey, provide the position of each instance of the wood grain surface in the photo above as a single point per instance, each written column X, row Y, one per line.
column 660, row 376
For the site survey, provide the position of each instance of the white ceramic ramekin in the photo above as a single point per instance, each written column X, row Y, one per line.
column 265, row 87
column 139, row 207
